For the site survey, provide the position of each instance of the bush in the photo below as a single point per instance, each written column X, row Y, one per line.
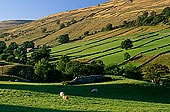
column 132, row 72
column 63, row 39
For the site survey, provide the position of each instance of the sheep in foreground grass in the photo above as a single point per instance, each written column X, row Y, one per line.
column 65, row 97
column 62, row 94
column 94, row 90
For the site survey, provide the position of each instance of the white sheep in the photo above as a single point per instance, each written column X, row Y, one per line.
column 62, row 94
column 16, row 80
column 94, row 90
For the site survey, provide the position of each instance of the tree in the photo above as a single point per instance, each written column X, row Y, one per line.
column 62, row 26
column 43, row 52
column 132, row 72
column 103, row 29
column 156, row 72
column 63, row 39
column 166, row 11
column 28, row 44
column 86, row 33
column 108, row 27
column 126, row 56
column 57, row 21
column 68, row 24
column 112, row 69
column 126, row 44
column 21, row 54
column 13, row 45
column 2, row 46
column 96, row 67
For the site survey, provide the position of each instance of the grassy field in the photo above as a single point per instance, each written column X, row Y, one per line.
column 121, row 95
column 107, row 49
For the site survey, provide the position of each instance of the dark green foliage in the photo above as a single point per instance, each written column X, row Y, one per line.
column 103, row 29
column 153, row 13
column 166, row 11
column 64, row 58
column 96, row 67
column 3, row 56
column 132, row 72
column 112, row 69
column 108, row 27
column 62, row 26
column 127, row 56
column 43, row 52
column 28, row 44
column 75, row 69
column 156, row 72
column 86, row 33
column 126, row 44
column 13, row 45
column 11, row 58
column 45, row 72
column 44, row 30
column 4, row 35
column 57, row 21
column 68, row 24
column 21, row 54
column 63, row 39
column 2, row 46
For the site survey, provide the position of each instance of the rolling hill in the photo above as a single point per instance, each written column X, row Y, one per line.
column 87, row 19
column 10, row 23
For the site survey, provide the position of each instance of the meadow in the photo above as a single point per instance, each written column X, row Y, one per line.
column 108, row 48
column 120, row 95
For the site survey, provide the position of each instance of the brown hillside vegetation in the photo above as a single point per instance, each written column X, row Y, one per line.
column 88, row 19
column 11, row 23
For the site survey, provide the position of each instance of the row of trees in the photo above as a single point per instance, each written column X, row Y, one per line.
column 151, row 19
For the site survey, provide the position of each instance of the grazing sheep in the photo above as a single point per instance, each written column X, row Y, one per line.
column 94, row 90
column 62, row 94
column 65, row 97
column 16, row 80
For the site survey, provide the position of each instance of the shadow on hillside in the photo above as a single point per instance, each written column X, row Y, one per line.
column 3, row 64
column 11, row 108
column 133, row 92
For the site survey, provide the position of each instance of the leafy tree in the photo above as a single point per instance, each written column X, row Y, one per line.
column 57, row 21
column 126, row 44
column 103, row 29
column 13, row 45
column 112, row 69
column 64, row 58
column 2, row 46
column 28, row 44
column 166, row 11
column 86, row 33
column 62, row 26
column 96, row 67
column 108, row 27
column 126, row 56
column 68, row 24
column 63, row 39
column 156, row 72
column 41, row 70
column 132, row 72
column 43, row 52
column 75, row 69
column 21, row 54
column 153, row 13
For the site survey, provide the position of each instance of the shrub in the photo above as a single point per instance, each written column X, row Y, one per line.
column 63, row 39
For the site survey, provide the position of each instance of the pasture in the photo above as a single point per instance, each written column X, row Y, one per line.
column 120, row 95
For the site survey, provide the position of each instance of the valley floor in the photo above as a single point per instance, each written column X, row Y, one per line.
column 121, row 95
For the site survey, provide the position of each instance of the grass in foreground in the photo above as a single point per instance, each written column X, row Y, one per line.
column 120, row 95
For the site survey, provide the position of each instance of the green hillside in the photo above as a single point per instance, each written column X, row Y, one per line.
column 78, row 21
column 108, row 48
column 117, row 96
